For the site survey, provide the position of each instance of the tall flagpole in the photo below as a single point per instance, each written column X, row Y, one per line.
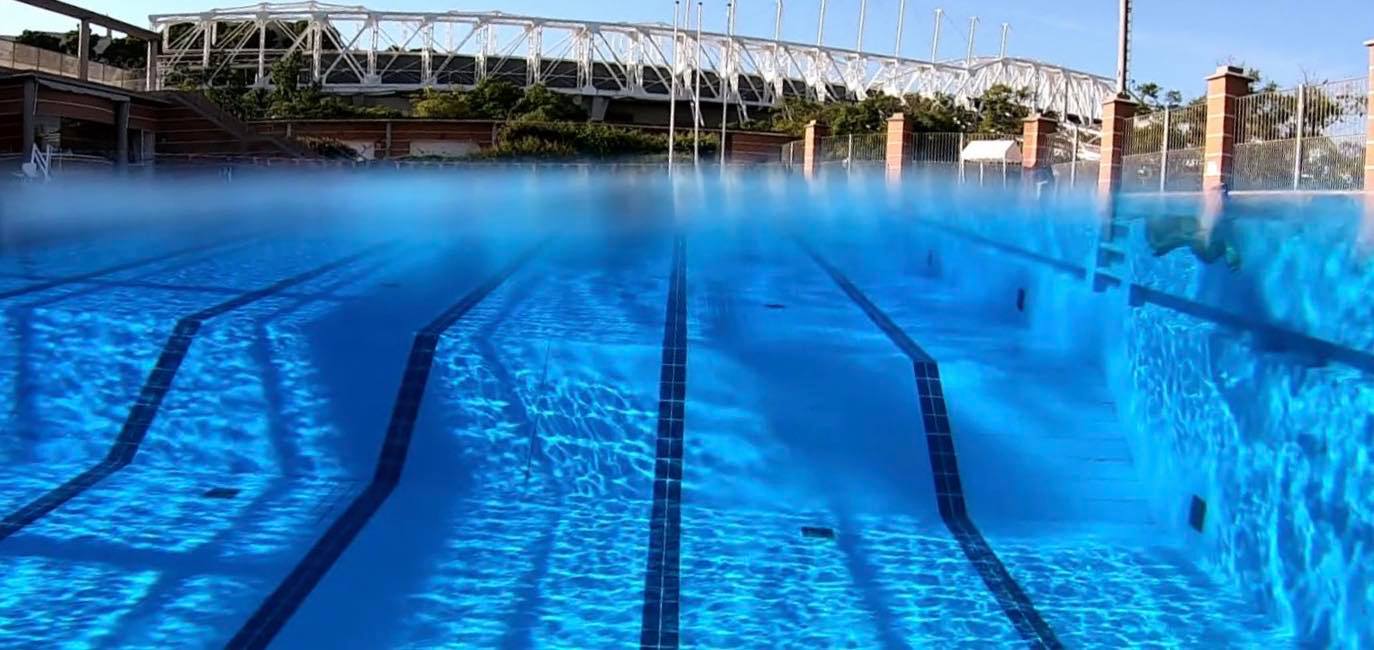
column 696, row 97
column 672, row 93
column 725, row 69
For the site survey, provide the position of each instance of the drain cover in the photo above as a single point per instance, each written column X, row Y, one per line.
column 818, row 531
column 1197, row 513
column 774, row 305
column 221, row 493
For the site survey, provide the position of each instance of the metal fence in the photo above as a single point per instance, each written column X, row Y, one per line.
column 18, row 56
column 1075, row 156
column 792, row 153
column 852, row 150
column 1164, row 149
column 937, row 147
column 1307, row 138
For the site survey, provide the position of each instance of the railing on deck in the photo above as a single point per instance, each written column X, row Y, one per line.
column 18, row 56
column 1307, row 138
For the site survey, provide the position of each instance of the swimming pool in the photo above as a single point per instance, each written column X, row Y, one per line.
column 565, row 411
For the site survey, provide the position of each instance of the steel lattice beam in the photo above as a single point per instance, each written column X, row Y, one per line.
column 352, row 49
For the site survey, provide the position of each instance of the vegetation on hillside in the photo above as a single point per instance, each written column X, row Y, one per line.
column 1000, row 110
column 494, row 99
column 128, row 53
column 287, row 98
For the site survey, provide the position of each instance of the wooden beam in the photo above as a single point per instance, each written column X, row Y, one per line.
column 57, row 6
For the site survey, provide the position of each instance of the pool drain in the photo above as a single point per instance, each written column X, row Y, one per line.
column 1197, row 513
column 774, row 305
column 1020, row 300
column 818, row 532
column 221, row 493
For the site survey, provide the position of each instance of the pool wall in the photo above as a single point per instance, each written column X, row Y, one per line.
column 1271, row 435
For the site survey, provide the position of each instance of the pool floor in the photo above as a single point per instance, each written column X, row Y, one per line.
column 476, row 443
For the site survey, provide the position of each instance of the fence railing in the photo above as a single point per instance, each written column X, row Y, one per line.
column 852, row 149
column 18, row 56
column 1307, row 138
column 792, row 153
column 1164, row 150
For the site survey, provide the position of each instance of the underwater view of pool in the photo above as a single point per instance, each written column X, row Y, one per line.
column 574, row 410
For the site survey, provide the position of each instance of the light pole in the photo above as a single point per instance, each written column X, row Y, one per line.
column 672, row 92
column 1123, row 46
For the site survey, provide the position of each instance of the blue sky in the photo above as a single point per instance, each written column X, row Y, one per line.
column 1178, row 42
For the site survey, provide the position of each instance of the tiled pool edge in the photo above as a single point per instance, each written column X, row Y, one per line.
column 155, row 387
column 659, row 626
column 1017, row 606
column 259, row 630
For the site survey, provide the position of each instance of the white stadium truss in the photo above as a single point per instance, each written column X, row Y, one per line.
column 355, row 50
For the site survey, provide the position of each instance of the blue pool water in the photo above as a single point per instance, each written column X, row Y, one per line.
column 462, row 411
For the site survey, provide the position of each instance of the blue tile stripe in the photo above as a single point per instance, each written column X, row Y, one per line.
column 659, row 625
column 53, row 283
column 944, row 465
column 155, row 387
column 270, row 616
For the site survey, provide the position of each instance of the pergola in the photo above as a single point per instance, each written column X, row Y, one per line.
column 88, row 18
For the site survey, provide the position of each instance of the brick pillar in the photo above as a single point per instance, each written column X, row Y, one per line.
column 900, row 134
column 1037, row 133
column 1116, row 120
column 1224, row 89
column 811, row 140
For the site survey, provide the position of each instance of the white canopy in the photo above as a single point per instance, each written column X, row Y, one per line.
column 997, row 151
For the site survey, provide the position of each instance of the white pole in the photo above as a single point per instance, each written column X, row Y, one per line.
column 672, row 93
column 1006, row 27
column 777, row 22
column 696, row 96
column 863, row 14
column 935, row 41
column 1164, row 154
column 1297, row 140
column 725, row 68
column 972, row 31
column 1123, row 44
column 820, row 27
column 901, row 20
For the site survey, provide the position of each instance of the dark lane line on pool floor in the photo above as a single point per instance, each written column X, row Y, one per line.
column 659, row 628
column 55, row 282
column 949, row 490
column 259, row 630
column 155, row 388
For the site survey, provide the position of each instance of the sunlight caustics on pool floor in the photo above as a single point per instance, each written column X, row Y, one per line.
column 653, row 439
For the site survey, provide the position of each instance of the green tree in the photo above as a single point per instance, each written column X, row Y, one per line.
column 794, row 114
column 1002, row 108
column 446, row 104
column 939, row 113
column 128, row 53
column 290, row 98
column 865, row 116
column 494, row 98
column 539, row 104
